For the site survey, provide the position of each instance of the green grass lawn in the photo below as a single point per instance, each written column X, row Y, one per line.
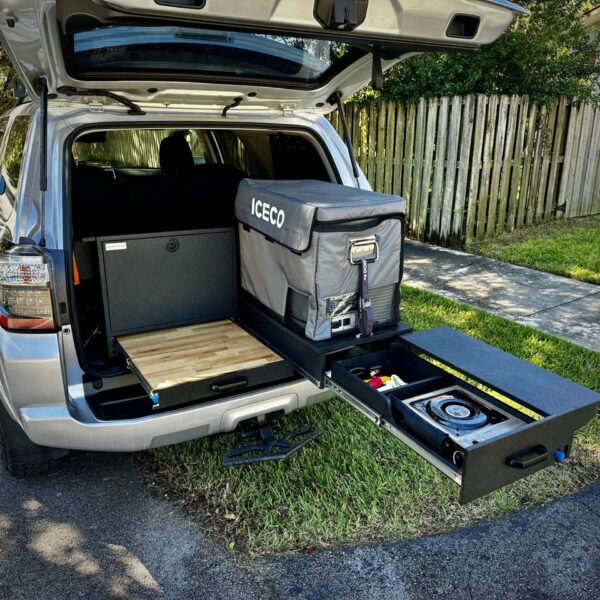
column 570, row 248
column 356, row 483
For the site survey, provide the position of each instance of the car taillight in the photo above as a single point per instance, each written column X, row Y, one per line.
column 25, row 290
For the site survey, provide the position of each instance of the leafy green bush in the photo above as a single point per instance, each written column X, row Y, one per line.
column 546, row 54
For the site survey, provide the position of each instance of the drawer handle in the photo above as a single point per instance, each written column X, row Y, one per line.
column 228, row 387
column 529, row 458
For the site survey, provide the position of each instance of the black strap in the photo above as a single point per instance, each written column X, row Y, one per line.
column 365, row 312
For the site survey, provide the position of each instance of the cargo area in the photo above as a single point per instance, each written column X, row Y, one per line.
column 155, row 249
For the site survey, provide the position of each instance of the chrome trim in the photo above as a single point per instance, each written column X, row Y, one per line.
column 412, row 444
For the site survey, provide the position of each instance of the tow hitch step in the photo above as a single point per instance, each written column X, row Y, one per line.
column 268, row 446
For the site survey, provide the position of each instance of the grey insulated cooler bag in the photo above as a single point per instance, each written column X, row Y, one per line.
column 323, row 257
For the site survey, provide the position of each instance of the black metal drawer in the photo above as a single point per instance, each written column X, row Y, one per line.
column 201, row 362
column 511, row 444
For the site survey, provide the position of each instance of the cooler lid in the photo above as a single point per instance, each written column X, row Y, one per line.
column 287, row 211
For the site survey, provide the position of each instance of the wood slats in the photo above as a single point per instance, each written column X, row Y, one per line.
column 183, row 354
column 475, row 167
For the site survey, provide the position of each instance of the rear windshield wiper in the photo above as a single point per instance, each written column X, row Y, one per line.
column 134, row 109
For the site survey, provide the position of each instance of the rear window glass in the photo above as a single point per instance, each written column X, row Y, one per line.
column 134, row 148
column 209, row 52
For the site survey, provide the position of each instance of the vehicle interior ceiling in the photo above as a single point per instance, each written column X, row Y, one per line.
column 137, row 181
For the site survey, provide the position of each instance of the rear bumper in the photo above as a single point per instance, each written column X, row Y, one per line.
column 54, row 425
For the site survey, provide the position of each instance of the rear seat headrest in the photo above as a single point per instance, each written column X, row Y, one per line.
column 176, row 157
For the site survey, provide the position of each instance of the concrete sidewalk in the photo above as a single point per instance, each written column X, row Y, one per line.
column 563, row 307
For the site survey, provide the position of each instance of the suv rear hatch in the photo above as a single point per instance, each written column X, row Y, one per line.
column 270, row 53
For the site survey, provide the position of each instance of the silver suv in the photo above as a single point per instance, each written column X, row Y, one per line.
column 139, row 118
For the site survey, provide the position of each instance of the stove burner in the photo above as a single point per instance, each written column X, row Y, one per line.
column 456, row 413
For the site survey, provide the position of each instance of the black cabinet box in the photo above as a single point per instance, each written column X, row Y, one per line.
column 154, row 281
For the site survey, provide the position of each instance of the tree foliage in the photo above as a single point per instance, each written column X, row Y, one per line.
column 7, row 100
column 545, row 54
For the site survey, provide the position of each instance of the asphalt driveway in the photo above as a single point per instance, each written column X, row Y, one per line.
column 98, row 529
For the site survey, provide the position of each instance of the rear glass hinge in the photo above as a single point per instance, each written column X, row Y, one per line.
column 288, row 110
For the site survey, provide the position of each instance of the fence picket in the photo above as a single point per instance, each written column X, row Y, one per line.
column 596, row 189
column 592, row 165
column 526, row 179
column 381, row 147
column 498, row 156
column 390, row 147
column 517, row 171
column 513, row 111
column 462, row 179
column 476, row 165
column 372, row 144
column 449, row 191
column 421, row 116
column 557, row 148
column 549, row 130
column 566, row 186
column 397, row 139
column 582, row 155
column 432, row 111
column 536, row 166
column 440, row 168
column 488, row 164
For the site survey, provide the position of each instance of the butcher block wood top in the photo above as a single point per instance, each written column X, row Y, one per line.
column 169, row 357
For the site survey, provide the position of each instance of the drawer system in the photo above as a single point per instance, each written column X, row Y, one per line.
column 491, row 420
column 201, row 362
column 481, row 416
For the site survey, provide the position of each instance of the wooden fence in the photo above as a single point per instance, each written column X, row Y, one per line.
column 476, row 166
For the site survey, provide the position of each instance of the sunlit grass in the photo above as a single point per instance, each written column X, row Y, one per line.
column 570, row 248
column 357, row 483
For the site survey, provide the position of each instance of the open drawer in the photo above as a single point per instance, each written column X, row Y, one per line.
column 201, row 362
column 488, row 421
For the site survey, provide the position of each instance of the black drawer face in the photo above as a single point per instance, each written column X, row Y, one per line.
column 229, row 384
column 478, row 440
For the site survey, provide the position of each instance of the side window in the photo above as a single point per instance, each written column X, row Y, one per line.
column 133, row 148
column 199, row 146
column 13, row 154
column 237, row 154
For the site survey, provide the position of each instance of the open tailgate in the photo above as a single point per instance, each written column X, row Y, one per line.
column 272, row 53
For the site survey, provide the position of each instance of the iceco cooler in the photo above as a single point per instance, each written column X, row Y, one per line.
column 323, row 257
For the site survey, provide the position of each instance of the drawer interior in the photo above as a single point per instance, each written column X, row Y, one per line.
column 483, row 437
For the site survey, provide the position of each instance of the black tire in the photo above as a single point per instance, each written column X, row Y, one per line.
column 21, row 456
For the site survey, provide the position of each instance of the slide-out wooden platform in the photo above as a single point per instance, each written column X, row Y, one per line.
column 172, row 358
